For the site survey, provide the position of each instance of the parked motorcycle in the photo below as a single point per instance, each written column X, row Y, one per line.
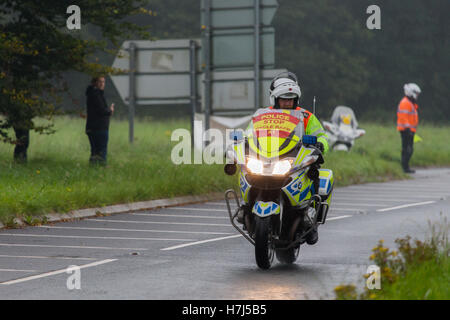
column 343, row 129
column 279, row 174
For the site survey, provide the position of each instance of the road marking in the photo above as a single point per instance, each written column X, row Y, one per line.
column 89, row 237
column 176, row 215
column 197, row 209
column 200, row 242
column 69, row 247
column 17, row 270
column 424, row 182
column 414, row 189
column 229, row 237
column 389, row 195
column 339, row 217
column 406, row 206
column 357, row 204
column 45, row 257
column 132, row 230
column 156, row 222
column 344, row 209
column 52, row 273
column 356, row 199
column 233, row 205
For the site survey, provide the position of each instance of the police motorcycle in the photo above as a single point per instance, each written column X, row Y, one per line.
column 343, row 129
column 284, row 192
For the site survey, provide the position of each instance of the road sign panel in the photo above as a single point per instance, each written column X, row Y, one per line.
column 162, row 74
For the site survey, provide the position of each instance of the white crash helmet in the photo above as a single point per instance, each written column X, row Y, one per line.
column 284, row 85
column 412, row 90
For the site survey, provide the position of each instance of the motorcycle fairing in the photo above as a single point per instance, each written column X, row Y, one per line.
column 326, row 184
column 244, row 186
column 298, row 190
column 326, row 181
column 265, row 209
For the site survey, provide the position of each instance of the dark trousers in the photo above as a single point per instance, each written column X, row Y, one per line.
column 99, row 146
column 23, row 140
column 407, row 147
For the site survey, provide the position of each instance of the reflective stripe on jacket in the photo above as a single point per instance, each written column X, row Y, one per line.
column 407, row 116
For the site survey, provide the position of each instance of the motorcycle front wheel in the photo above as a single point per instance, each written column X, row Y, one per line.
column 264, row 247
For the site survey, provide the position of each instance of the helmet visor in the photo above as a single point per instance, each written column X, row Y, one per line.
column 289, row 95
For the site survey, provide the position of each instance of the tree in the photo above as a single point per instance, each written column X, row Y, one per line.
column 36, row 47
column 318, row 40
column 327, row 43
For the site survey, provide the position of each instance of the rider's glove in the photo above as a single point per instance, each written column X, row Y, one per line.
column 319, row 145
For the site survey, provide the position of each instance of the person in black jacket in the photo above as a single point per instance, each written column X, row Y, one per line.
column 97, row 124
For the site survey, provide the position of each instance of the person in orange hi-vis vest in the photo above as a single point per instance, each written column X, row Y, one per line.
column 407, row 121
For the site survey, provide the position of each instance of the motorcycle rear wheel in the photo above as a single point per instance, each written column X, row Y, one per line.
column 264, row 247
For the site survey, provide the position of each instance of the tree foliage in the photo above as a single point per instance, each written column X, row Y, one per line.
column 36, row 47
column 327, row 43
column 341, row 62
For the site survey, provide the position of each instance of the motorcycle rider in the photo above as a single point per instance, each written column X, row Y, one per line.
column 284, row 95
column 407, row 121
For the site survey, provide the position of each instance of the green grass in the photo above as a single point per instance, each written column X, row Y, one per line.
column 57, row 177
column 426, row 281
column 416, row 270
column 377, row 155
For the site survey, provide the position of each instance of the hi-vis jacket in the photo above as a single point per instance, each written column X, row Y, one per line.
column 407, row 116
column 308, row 123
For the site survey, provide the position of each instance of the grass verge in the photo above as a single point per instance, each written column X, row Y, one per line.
column 57, row 177
column 417, row 270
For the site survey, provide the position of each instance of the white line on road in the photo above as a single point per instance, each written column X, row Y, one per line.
column 229, row 237
column 388, row 195
column 17, row 270
column 337, row 218
column 89, row 237
column 406, row 206
column 46, row 257
column 432, row 186
column 69, row 247
column 200, row 242
column 156, row 222
column 356, row 199
column 132, row 230
column 232, row 205
column 357, row 204
column 197, row 209
column 344, row 209
column 52, row 273
column 404, row 189
column 176, row 215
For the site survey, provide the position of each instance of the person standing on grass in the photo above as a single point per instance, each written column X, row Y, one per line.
column 407, row 121
column 97, row 123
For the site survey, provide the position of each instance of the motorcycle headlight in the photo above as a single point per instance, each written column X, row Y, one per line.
column 282, row 167
column 255, row 166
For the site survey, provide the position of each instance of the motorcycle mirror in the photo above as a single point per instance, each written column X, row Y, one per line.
column 230, row 169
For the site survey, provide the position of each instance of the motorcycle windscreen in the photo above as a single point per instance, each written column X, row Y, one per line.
column 344, row 115
column 274, row 134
